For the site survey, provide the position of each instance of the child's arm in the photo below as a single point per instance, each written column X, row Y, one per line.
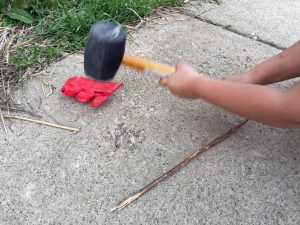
column 285, row 65
column 280, row 108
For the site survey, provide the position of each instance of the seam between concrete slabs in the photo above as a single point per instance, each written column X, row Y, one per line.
column 230, row 29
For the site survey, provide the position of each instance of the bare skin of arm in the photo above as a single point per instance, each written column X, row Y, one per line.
column 243, row 94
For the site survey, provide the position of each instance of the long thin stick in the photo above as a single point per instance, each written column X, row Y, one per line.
column 2, row 119
column 42, row 122
column 142, row 191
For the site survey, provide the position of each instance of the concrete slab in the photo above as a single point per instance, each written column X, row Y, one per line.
column 274, row 21
column 52, row 176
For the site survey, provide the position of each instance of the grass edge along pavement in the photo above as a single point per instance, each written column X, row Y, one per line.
column 57, row 28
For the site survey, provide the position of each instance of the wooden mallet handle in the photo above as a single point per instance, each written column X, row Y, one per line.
column 142, row 65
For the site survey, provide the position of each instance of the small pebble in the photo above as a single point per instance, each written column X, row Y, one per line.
column 111, row 154
column 132, row 140
column 113, row 134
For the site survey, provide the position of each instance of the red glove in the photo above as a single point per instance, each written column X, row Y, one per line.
column 85, row 89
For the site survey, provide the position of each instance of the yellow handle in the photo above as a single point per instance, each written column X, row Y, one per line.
column 145, row 64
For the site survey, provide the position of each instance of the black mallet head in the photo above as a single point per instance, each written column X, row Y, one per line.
column 104, row 50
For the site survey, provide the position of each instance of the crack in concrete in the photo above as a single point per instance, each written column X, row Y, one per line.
column 230, row 29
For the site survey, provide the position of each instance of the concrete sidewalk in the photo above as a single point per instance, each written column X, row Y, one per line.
column 273, row 21
column 52, row 176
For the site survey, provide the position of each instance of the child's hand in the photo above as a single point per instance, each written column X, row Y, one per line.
column 183, row 82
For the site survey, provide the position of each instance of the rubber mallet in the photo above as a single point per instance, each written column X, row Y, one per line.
column 105, row 52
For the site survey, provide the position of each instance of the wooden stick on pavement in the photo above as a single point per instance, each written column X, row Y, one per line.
column 175, row 169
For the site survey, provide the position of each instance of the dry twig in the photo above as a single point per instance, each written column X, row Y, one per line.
column 142, row 21
column 42, row 122
column 2, row 119
column 10, row 76
column 175, row 169
column 50, row 90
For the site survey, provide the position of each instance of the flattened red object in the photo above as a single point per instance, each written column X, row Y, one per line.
column 85, row 90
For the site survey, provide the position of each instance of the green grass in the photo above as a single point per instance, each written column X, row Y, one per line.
column 66, row 23
column 35, row 55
